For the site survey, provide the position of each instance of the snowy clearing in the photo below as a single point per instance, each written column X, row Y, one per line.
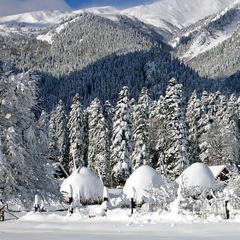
column 117, row 224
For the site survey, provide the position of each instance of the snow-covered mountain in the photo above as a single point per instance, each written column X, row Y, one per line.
column 180, row 13
column 164, row 21
column 31, row 22
column 210, row 42
column 186, row 24
column 168, row 14
column 208, row 33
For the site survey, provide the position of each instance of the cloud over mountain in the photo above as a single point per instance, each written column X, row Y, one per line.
column 9, row 7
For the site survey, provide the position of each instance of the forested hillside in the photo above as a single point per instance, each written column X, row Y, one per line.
column 111, row 95
column 211, row 46
column 96, row 56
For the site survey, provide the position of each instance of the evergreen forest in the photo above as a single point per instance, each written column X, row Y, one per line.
column 111, row 96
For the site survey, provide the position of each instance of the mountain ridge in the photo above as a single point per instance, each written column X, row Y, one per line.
column 171, row 16
column 78, row 47
column 211, row 41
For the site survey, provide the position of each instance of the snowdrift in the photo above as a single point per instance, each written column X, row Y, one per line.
column 83, row 185
column 141, row 181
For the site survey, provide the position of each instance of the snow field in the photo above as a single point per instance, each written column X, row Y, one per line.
column 116, row 224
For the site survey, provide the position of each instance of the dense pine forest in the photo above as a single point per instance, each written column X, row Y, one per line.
column 169, row 134
column 111, row 96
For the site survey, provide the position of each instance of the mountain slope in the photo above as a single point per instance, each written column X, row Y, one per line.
column 171, row 15
column 31, row 22
column 180, row 13
column 78, row 42
column 211, row 43
column 96, row 56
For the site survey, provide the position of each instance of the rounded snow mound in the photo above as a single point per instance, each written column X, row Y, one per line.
column 198, row 175
column 83, row 185
column 141, row 181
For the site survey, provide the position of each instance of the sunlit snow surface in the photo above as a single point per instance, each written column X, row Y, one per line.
column 89, row 223
column 177, row 12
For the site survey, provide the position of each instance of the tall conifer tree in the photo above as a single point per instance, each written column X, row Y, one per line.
column 77, row 135
column 121, row 148
column 98, row 150
column 62, row 134
column 173, row 147
column 196, row 121
column 141, row 151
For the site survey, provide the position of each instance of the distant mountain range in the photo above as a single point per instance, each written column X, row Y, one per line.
column 168, row 14
column 211, row 45
column 140, row 46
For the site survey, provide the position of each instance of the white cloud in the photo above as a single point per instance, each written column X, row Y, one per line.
column 10, row 7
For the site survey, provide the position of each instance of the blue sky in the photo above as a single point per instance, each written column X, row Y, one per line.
column 118, row 3
column 9, row 7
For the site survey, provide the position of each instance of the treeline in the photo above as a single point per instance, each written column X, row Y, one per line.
column 168, row 134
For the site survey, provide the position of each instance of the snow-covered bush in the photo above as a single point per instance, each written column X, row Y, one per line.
column 83, row 185
column 141, row 182
column 196, row 180
column 164, row 196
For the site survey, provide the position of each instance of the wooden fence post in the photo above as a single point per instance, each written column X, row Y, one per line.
column 226, row 209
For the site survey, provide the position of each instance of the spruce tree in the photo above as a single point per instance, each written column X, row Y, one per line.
column 121, row 147
column 108, row 115
column 173, row 146
column 61, row 134
column 77, row 135
column 141, row 151
column 98, row 149
column 196, row 121
column 155, row 127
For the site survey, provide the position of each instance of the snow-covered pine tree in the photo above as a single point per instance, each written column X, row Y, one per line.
column 23, row 150
column 157, row 134
column 61, row 134
column 108, row 115
column 52, row 141
column 155, row 120
column 221, row 139
column 121, row 147
column 211, row 139
column 98, row 148
column 173, row 146
column 77, row 134
column 141, row 153
column 196, row 120
column 230, row 119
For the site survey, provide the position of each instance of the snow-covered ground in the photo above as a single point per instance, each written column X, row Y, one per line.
column 89, row 223
column 183, row 218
